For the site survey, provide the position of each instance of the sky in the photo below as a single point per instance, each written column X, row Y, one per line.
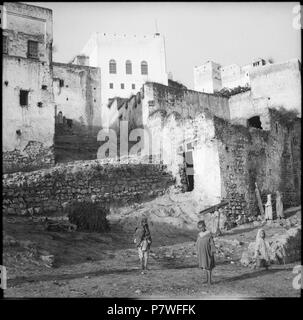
column 194, row 32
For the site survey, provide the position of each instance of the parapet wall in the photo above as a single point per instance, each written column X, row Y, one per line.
column 46, row 191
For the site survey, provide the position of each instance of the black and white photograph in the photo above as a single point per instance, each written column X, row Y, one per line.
column 151, row 151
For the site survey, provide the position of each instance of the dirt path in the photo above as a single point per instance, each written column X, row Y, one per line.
column 106, row 265
column 229, row 282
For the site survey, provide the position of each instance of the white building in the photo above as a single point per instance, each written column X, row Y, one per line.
column 126, row 62
column 211, row 76
column 207, row 78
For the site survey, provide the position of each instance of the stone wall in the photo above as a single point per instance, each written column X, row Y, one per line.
column 28, row 130
column 46, row 191
column 279, row 83
column 268, row 157
column 34, row 156
column 284, row 248
column 77, row 93
column 77, row 97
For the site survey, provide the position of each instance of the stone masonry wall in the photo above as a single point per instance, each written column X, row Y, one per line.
column 34, row 156
column 269, row 157
column 46, row 191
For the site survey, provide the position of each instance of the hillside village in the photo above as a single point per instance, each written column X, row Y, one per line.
column 112, row 133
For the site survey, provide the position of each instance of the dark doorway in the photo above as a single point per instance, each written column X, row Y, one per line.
column 189, row 165
column 254, row 122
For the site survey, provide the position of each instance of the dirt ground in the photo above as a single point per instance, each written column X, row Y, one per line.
column 106, row 265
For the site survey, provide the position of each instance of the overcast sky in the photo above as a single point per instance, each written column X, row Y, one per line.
column 194, row 31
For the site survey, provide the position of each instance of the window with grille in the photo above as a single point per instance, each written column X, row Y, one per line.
column 5, row 44
column 111, row 86
column 112, row 66
column 32, row 49
column 144, row 67
column 128, row 66
column 23, row 98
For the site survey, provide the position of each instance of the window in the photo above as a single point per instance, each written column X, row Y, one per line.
column 112, row 66
column 61, row 83
column 32, row 49
column 122, row 85
column 111, row 86
column 128, row 66
column 133, row 86
column 144, row 67
column 5, row 44
column 254, row 122
column 23, row 98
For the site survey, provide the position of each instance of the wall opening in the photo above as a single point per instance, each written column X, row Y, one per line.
column 32, row 49
column 189, row 170
column 23, row 98
column 254, row 122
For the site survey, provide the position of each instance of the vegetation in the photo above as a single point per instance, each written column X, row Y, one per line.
column 88, row 216
column 227, row 92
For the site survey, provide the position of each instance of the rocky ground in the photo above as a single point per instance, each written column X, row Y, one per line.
column 44, row 263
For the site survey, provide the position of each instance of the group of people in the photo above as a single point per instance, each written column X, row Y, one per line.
column 279, row 207
column 205, row 247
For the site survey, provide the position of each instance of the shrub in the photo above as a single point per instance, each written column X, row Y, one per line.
column 88, row 216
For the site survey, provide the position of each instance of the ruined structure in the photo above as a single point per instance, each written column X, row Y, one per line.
column 213, row 152
column 28, row 103
column 214, row 147
column 47, row 107
column 77, row 97
column 278, row 81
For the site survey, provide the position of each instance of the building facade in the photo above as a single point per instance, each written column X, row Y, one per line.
column 47, row 107
column 28, row 104
column 126, row 63
column 211, row 77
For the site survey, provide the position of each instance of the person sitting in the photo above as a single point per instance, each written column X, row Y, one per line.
column 262, row 250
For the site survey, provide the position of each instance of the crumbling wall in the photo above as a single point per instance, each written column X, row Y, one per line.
column 267, row 157
column 186, row 102
column 77, row 93
column 28, row 130
column 114, row 183
column 78, row 111
column 24, row 124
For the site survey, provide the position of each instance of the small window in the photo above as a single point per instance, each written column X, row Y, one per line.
column 112, row 66
column 133, row 86
column 5, row 44
column 44, row 87
column 144, row 67
column 111, row 86
column 32, row 49
column 128, row 66
column 61, row 83
column 23, row 98
column 120, row 117
column 122, row 85
column 254, row 122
